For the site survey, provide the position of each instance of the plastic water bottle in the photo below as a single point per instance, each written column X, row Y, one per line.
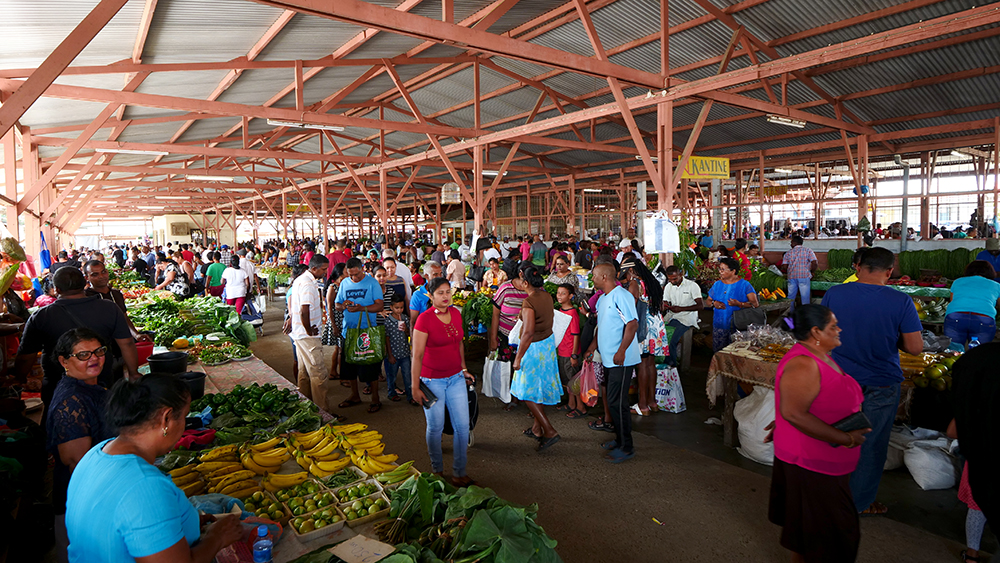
column 262, row 546
column 974, row 342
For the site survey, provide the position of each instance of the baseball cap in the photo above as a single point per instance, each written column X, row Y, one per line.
column 625, row 243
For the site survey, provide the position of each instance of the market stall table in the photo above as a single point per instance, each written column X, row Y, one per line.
column 911, row 290
column 222, row 379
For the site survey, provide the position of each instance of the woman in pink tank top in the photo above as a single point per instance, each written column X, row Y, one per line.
column 810, row 484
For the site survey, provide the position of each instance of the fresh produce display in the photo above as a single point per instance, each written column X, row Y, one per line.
column 342, row 478
column 264, row 506
column 932, row 311
column 951, row 264
column 11, row 256
column 171, row 319
column 928, row 370
column 252, row 399
column 477, row 308
column 840, row 259
column 431, row 521
column 766, row 279
column 834, row 275
column 276, row 275
column 772, row 296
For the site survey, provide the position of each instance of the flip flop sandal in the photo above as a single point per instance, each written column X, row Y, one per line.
column 374, row 407
column 414, row 403
column 545, row 443
column 966, row 557
column 573, row 413
column 510, row 406
column 610, row 445
column 395, row 398
column 618, row 456
column 875, row 509
column 348, row 403
column 562, row 407
column 529, row 432
column 367, row 390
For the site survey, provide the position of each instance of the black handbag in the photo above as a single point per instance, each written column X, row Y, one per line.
column 743, row 318
column 476, row 273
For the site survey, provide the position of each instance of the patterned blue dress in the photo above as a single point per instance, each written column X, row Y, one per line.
column 538, row 379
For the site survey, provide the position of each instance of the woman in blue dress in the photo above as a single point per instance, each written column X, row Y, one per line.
column 536, row 372
column 730, row 294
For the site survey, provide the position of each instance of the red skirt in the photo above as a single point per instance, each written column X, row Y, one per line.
column 964, row 491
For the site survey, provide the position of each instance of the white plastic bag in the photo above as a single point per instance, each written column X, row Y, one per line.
column 260, row 302
column 929, row 463
column 753, row 413
column 496, row 378
column 669, row 393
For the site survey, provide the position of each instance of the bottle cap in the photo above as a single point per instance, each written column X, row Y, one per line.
column 261, row 531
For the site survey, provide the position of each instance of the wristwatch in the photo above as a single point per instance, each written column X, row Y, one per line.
column 575, row 357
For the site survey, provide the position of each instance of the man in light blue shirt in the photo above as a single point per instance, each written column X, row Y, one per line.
column 617, row 324
column 420, row 301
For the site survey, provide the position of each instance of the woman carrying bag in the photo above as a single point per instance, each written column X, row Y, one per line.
column 439, row 367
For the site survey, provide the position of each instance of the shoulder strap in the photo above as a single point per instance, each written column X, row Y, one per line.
column 70, row 314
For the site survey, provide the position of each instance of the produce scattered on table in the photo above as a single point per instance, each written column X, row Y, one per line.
column 170, row 320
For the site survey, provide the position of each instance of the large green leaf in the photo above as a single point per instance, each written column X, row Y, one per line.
column 505, row 525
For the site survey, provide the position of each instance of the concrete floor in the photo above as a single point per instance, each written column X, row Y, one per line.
column 711, row 500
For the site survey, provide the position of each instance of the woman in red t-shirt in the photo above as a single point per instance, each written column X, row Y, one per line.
column 439, row 364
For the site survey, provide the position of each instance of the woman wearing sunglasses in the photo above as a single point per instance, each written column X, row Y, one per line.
column 75, row 420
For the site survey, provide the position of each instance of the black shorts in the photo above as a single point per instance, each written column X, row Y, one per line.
column 361, row 372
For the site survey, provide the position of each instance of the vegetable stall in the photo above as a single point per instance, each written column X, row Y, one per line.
column 325, row 484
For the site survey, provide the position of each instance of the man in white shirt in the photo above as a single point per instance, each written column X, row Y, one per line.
column 681, row 303
column 305, row 308
column 465, row 251
column 248, row 266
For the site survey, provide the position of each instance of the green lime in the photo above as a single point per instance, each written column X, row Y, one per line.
column 372, row 510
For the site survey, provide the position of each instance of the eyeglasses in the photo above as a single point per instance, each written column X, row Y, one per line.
column 86, row 354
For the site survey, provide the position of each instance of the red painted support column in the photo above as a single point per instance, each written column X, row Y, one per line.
column 10, row 181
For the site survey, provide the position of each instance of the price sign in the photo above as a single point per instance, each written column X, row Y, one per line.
column 360, row 549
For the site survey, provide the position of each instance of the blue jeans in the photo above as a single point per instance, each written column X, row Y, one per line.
column 880, row 406
column 679, row 330
column 961, row 327
column 390, row 375
column 797, row 286
column 453, row 393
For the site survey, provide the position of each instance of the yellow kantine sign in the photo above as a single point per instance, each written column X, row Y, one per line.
column 706, row 168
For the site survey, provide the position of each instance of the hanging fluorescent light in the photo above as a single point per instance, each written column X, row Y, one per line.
column 173, row 197
column 959, row 154
column 782, row 120
column 493, row 173
column 133, row 151
column 303, row 125
column 653, row 158
column 157, row 207
column 210, row 178
column 97, row 214
column 783, row 171
column 593, row 190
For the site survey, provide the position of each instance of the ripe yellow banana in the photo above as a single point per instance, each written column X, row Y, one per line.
column 320, row 445
column 332, row 466
column 325, row 451
column 181, row 471
column 237, row 486
column 257, row 468
column 193, row 488
column 365, row 445
column 384, row 459
column 303, row 460
column 286, row 480
column 212, row 466
column 250, row 488
column 264, row 446
column 374, row 450
column 349, row 428
column 333, row 456
column 187, row 479
column 319, row 472
column 234, row 478
column 225, row 471
column 231, row 450
column 271, row 459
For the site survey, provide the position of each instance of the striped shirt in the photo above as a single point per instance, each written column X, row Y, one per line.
column 508, row 299
column 798, row 260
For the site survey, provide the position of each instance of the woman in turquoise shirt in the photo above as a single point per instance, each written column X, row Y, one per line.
column 120, row 507
column 728, row 295
column 973, row 308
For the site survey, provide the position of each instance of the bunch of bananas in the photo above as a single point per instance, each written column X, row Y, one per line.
column 188, row 479
column 316, row 452
column 373, row 464
column 400, row 473
column 370, row 441
column 265, row 457
column 274, row 482
column 237, row 484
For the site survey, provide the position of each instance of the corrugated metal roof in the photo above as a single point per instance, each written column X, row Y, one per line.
column 949, row 95
column 196, row 30
column 31, row 32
